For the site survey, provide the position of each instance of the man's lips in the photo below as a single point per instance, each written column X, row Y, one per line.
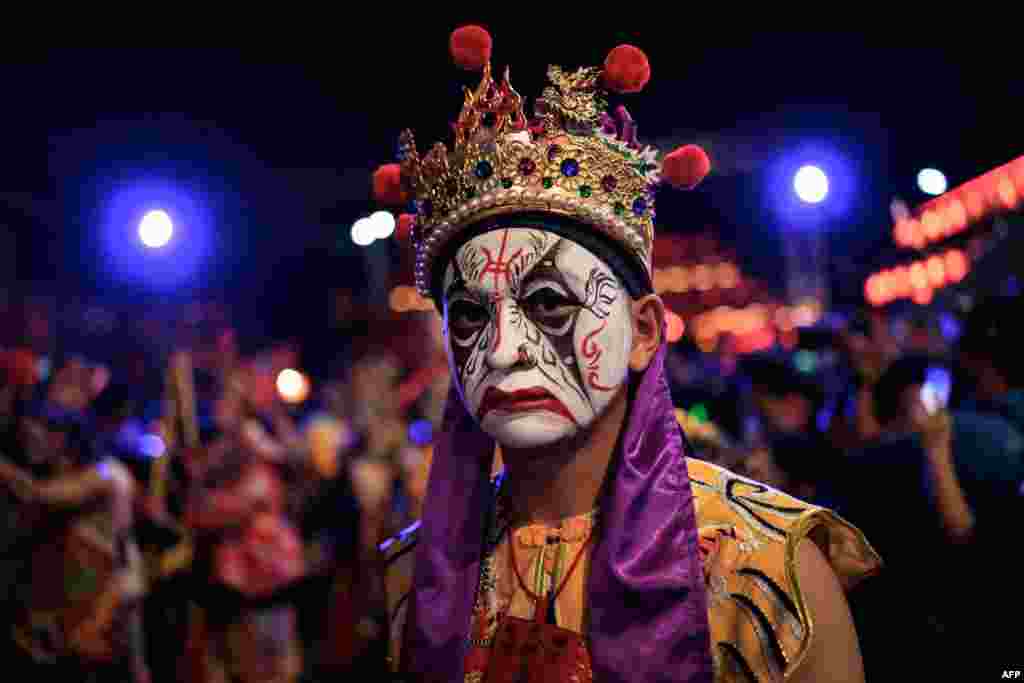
column 523, row 400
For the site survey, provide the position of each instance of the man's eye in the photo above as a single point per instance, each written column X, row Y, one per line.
column 465, row 314
column 548, row 302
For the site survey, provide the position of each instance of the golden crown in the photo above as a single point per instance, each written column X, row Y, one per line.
column 573, row 159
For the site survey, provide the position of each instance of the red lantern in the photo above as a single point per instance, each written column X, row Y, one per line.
column 918, row 276
column 936, row 271
column 932, row 225
column 901, row 282
column 874, row 290
column 957, row 265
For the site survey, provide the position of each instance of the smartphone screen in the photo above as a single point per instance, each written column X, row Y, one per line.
column 936, row 389
column 43, row 367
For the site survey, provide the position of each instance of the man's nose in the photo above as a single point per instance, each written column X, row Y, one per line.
column 506, row 338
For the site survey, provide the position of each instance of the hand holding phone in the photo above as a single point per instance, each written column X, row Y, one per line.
column 936, row 389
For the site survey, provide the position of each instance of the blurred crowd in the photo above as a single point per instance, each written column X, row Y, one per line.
column 170, row 514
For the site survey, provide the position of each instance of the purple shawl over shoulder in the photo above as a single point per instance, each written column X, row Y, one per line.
column 648, row 605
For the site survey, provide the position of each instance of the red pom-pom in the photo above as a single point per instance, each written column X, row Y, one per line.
column 387, row 185
column 685, row 167
column 406, row 222
column 626, row 70
column 470, row 47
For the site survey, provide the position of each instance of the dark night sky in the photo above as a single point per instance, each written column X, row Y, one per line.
column 278, row 144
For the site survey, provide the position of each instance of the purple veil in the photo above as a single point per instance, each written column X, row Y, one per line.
column 648, row 605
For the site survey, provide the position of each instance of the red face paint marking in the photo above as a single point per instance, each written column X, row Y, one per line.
column 499, row 266
column 592, row 352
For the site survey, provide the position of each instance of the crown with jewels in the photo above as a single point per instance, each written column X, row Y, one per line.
column 572, row 159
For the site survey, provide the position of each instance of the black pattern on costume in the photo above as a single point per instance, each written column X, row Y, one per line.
column 770, row 648
column 775, row 592
column 736, row 663
column 748, row 504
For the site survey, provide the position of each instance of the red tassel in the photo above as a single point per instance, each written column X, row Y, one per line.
column 470, row 47
column 626, row 70
column 387, row 185
column 685, row 167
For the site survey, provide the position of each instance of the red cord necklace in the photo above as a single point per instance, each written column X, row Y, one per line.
column 534, row 651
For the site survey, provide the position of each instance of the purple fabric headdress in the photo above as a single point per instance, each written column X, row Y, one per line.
column 645, row 592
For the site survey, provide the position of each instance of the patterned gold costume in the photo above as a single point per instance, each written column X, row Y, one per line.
column 749, row 534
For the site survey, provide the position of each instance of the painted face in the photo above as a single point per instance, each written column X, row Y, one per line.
column 538, row 331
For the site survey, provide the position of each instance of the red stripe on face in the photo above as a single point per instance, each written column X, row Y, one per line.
column 592, row 381
column 499, row 267
column 592, row 352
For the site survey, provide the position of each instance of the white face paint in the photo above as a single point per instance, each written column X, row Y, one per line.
column 538, row 333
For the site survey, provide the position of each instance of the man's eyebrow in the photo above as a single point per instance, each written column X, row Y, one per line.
column 460, row 287
column 546, row 270
column 455, row 286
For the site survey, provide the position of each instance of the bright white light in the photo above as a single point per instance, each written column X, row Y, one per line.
column 363, row 232
column 293, row 386
column 931, row 182
column 811, row 184
column 152, row 446
column 383, row 224
column 155, row 229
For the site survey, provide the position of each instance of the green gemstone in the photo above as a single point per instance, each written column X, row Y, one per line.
column 619, row 208
column 506, row 183
column 585, row 191
column 470, row 193
column 548, row 183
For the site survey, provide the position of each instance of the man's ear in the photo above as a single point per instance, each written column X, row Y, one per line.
column 648, row 323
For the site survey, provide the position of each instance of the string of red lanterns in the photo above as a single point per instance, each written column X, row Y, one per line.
column 998, row 191
column 702, row 277
column 919, row 280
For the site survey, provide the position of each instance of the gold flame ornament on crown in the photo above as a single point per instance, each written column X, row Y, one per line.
column 573, row 159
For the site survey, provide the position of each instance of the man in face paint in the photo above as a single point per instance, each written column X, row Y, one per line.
column 601, row 552
column 539, row 335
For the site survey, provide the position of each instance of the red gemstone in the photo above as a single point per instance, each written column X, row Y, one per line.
column 609, row 183
column 527, row 166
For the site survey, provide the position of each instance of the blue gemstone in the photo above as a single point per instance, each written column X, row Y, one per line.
column 484, row 170
column 570, row 168
column 639, row 206
column 427, row 208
